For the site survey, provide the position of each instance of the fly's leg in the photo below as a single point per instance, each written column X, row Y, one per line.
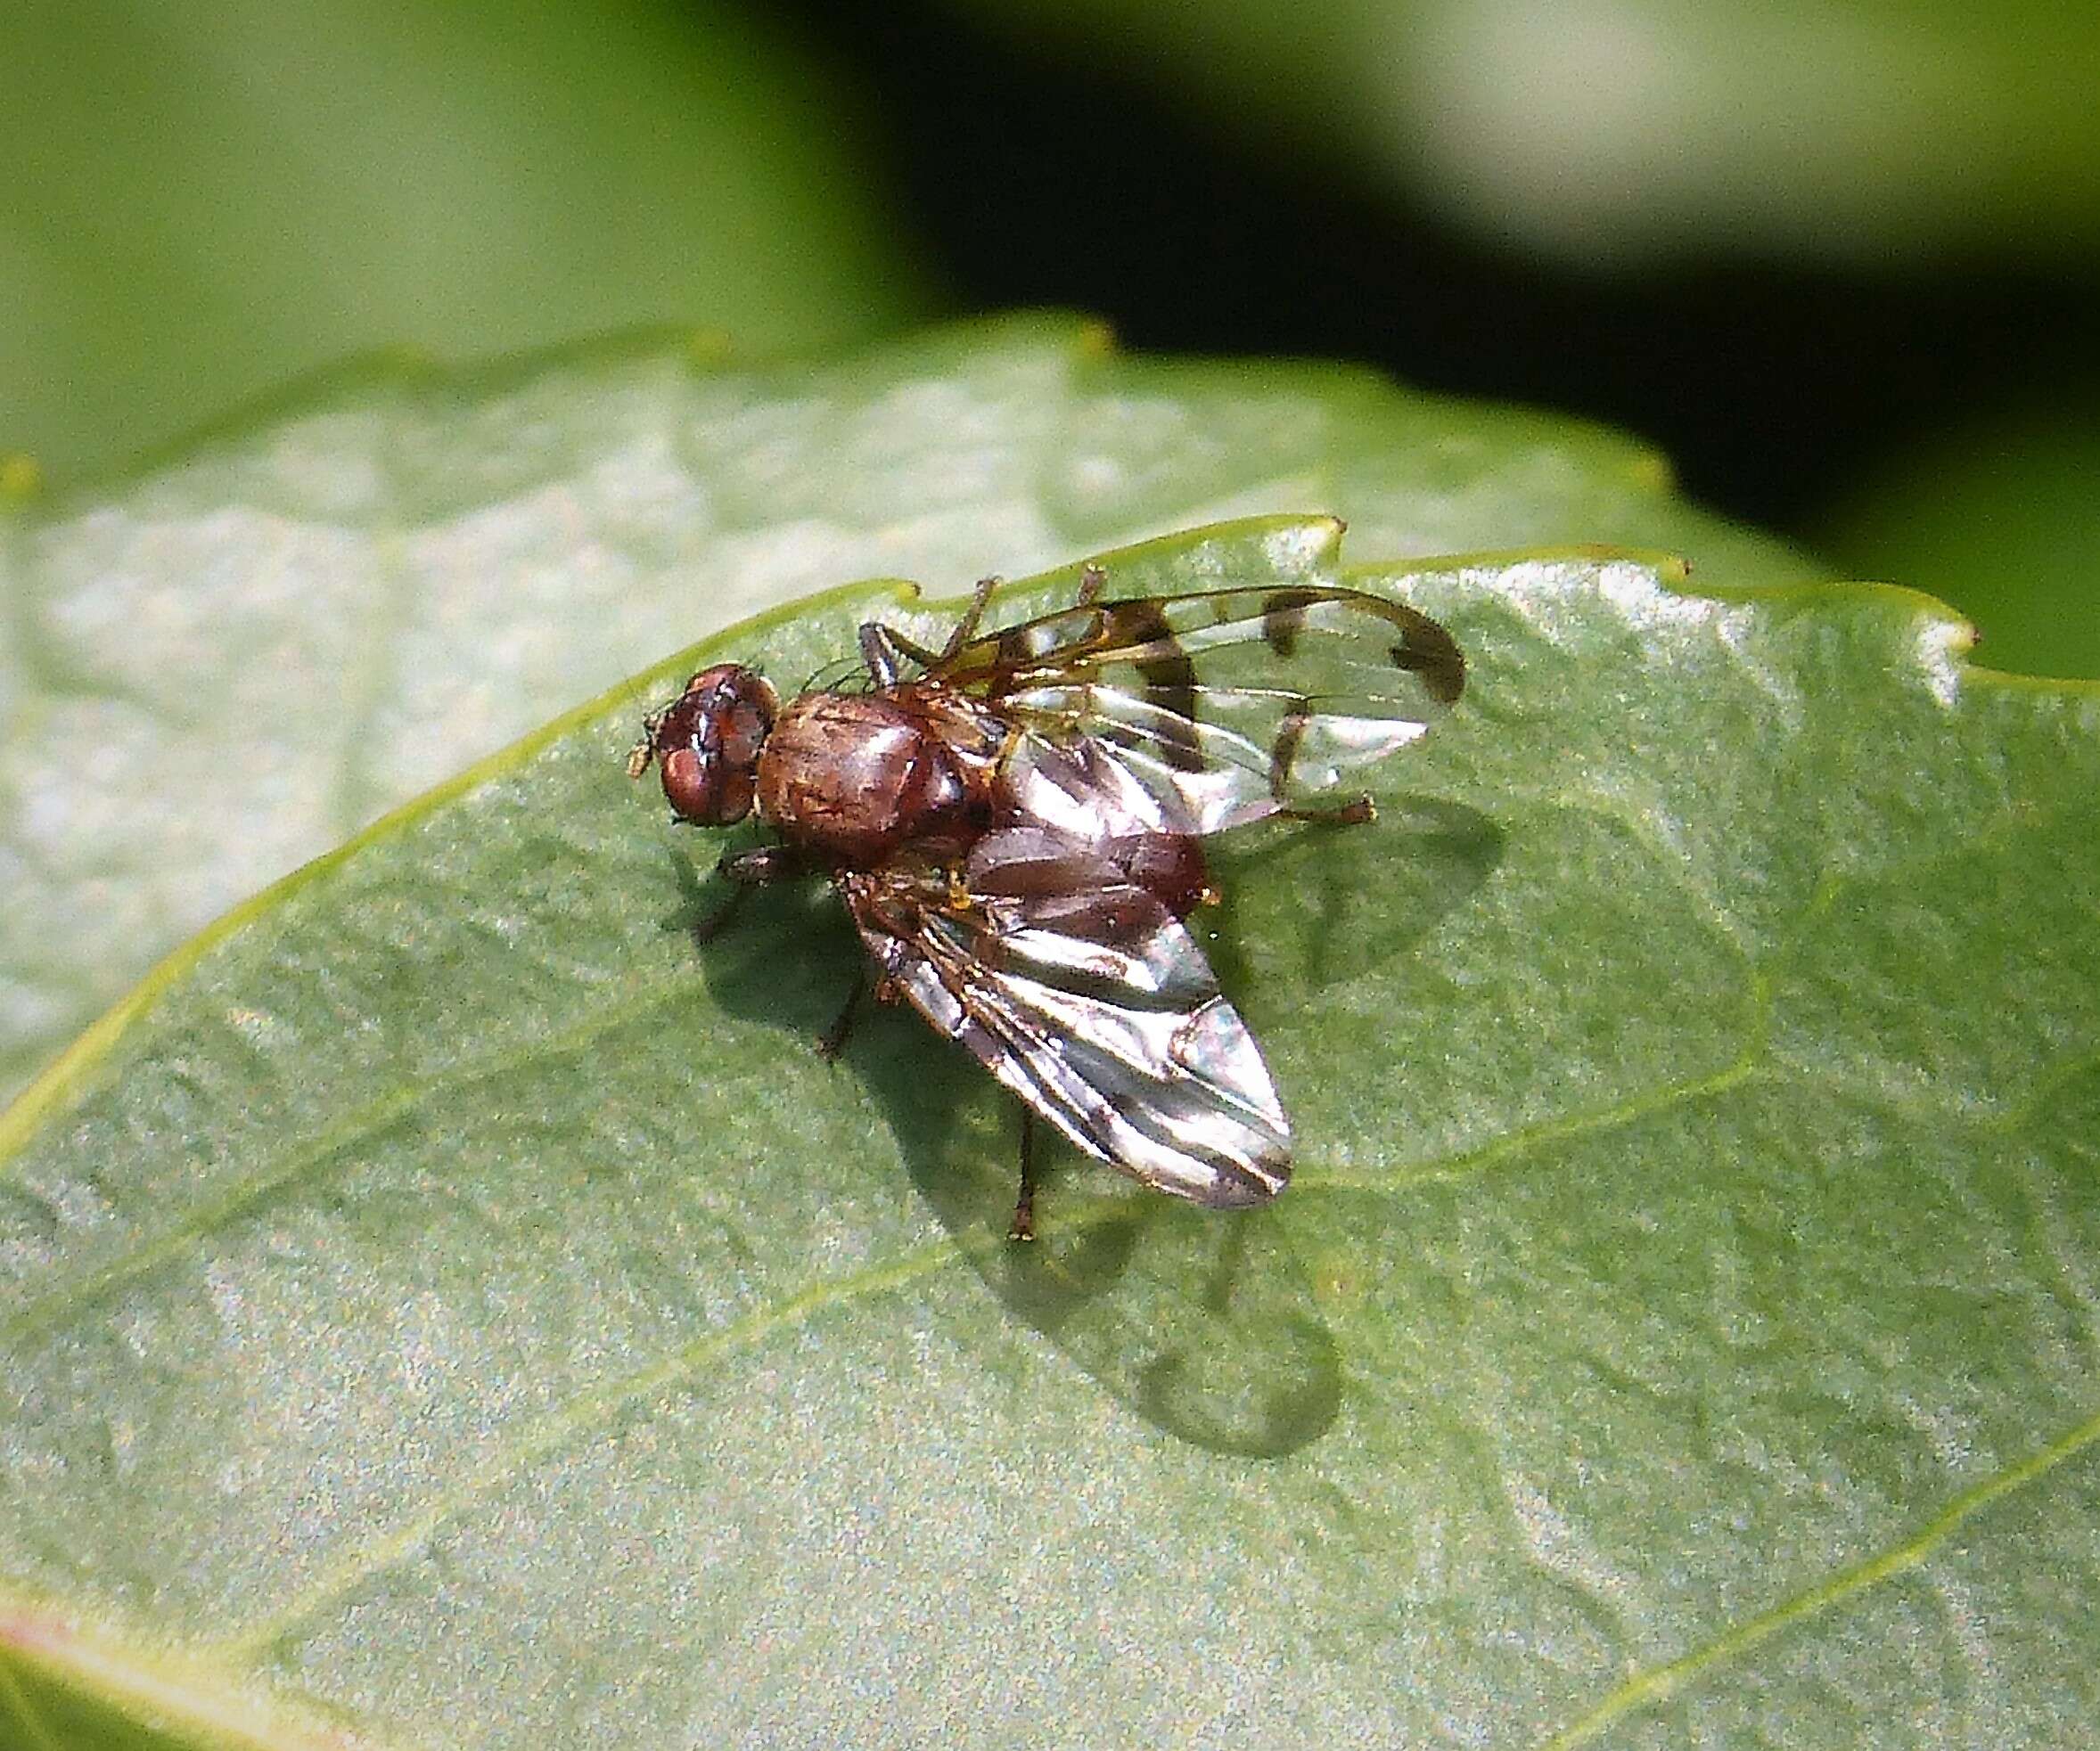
column 965, row 629
column 831, row 1042
column 886, row 650
column 1023, row 1226
column 723, row 916
column 744, row 871
column 1093, row 581
column 762, row 864
column 885, row 653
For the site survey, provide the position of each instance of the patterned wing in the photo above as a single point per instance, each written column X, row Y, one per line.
column 1083, row 993
column 1225, row 705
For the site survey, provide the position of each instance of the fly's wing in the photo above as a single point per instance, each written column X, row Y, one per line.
column 1224, row 704
column 1085, row 996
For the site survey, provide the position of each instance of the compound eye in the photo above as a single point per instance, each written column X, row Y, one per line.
column 703, row 791
column 706, row 744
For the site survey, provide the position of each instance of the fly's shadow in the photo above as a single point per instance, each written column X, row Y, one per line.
column 1201, row 1321
column 1307, row 907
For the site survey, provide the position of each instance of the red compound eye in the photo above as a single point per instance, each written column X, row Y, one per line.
column 707, row 741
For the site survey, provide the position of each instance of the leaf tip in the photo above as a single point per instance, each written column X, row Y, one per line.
column 1944, row 644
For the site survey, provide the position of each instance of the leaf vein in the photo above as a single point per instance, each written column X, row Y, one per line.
column 1460, row 1163
column 585, row 1414
column 1659, row 1684
column 247, row 1195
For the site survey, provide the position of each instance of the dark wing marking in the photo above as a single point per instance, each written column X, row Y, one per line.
column 1225, row 705
column 1087, row 998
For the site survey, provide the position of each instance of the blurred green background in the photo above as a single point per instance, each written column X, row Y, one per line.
column 1839, row 260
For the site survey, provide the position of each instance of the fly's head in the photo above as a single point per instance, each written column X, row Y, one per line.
column 705, row 744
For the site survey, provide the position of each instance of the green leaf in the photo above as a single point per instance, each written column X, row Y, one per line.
column 201, row 201
column 449, row 1305
column 220, row 669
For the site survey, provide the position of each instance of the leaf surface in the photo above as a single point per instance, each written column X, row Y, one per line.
column 450, row 1306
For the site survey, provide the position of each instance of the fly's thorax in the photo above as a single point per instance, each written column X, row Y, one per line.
column 854, row 776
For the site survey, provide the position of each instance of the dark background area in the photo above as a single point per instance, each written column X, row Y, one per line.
column 1769, row 386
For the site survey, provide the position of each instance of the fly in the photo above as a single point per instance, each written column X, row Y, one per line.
column 1015, row 822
